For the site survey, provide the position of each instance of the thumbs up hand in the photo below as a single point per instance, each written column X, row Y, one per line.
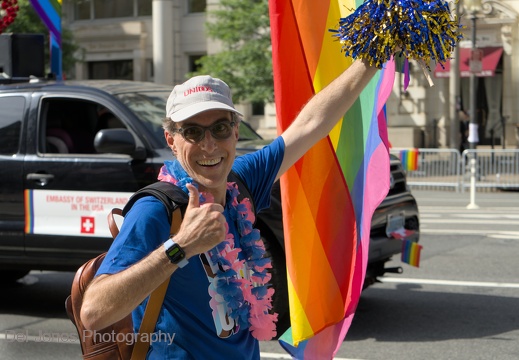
column 203, row 226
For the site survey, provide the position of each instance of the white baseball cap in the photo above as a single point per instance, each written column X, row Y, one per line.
column 196, row 95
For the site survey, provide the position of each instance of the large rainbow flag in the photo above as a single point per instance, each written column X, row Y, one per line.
column 49, row 12
column 329, row 196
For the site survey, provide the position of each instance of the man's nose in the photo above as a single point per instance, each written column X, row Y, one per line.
column 208, row 143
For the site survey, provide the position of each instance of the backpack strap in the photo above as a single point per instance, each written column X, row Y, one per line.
column 151, row 314
column 169, row 194
column 173, row 196
column 175, row 201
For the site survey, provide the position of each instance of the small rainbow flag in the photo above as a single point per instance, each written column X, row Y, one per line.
column 49, row 12
column 330, row 194
column 410, row 249
column 409, row 159
column 411, row 252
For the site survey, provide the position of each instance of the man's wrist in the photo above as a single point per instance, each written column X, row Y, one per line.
column 175, row 253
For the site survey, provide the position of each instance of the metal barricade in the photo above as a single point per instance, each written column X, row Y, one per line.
column 436, row 169
column 446, row 169
column 496, row 169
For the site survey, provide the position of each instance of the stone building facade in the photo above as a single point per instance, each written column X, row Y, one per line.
column 118, row 37
column 428, row 116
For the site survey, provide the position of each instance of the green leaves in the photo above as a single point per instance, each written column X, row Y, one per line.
column 245, row 62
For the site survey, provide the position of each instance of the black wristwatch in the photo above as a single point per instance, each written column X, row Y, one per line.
column 175, row 253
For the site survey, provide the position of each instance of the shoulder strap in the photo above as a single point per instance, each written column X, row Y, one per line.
column 175, row 201
column 170, row 195
column 151, row 314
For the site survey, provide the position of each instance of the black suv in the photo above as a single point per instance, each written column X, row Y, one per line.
column 71, row 151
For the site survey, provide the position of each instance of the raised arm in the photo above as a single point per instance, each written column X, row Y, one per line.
column 323, row 111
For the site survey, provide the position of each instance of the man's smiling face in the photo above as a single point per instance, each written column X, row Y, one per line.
column 209, row 161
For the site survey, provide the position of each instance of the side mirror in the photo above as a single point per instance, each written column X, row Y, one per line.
column 116, row 141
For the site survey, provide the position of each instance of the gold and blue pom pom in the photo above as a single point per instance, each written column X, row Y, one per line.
column 425, row 31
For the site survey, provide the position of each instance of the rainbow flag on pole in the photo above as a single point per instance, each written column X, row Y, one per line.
column 409, row 159
column 329, row 195
column 49, row 12
column 411, row 252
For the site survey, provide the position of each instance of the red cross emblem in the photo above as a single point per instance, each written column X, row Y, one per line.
column 88, row 225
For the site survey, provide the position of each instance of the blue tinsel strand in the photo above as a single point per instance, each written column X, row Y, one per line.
column 423, row 30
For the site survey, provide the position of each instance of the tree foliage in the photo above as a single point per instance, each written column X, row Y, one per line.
column 28, row 22
column 245, row 62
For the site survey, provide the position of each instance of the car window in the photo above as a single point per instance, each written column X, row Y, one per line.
column 70, row 125
column 11, row 123
column 247, row 133
column 149, row 107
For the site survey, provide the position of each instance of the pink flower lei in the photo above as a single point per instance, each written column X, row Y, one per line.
column 242, row 278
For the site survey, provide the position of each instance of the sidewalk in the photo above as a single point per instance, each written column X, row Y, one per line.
column 459, row 199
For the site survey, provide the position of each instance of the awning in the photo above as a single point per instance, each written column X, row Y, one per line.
column 489, row 62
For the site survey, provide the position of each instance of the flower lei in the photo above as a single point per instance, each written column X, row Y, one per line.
column 9, row 9
column 242, row 276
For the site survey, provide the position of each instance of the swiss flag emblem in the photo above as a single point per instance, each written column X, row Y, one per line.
column 402, row 233
column 88, row 225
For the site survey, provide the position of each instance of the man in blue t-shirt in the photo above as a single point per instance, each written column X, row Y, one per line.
column 216, row 305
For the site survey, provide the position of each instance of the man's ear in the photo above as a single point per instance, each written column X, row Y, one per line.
column 170, row 139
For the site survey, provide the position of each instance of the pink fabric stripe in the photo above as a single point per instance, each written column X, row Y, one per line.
column 321, row 345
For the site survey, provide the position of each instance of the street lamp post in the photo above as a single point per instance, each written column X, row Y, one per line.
column 475, row 66
column 454, row 88
column 473, row 7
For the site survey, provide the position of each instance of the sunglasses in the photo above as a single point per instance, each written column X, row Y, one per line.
column 196, row 133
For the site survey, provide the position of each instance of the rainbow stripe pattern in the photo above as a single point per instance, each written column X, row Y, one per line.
column 29, row 212
column 411, row 253
column 49, row 12
column 409, row 159
column 330, row 194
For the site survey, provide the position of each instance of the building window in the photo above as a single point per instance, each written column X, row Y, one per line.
column 112, row 9
column 108, row 9
column 193, row 62
column 83, row 9
column 196, row 6
column 143, row 7
column 258, row 108
column 120, row 69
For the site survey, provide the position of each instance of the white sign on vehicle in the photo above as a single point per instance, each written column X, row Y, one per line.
column 76, row 213
column 395, row 223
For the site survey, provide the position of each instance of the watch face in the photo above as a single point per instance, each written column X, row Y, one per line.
column 173, row 252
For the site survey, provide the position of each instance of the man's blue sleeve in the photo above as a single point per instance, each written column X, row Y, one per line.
column 144, row 229
column 259, row 170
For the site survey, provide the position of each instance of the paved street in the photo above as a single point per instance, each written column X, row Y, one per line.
column 460, row 304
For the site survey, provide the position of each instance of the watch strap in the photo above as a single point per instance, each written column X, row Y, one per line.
column 168, row 245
